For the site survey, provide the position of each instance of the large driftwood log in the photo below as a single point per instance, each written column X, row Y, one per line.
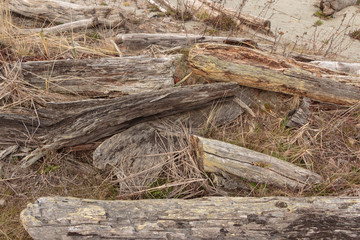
column 352, row 68
column 331, row 6
column 65, row 12
column 101, row 77
column 59, row 125
column 214, row 10
column 142, row 40
column 207, row 218
column 218, row 157
column 253, row 68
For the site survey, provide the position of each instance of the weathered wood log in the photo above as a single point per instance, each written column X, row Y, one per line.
column 253, row 68
column 65, row 12
column 331, row 6
column 101, row 77
column 66, row 27
column 206, row 218
column 352, row 68
column 299, row 117
column 143, row 40
column 214, row 10
column 59, row 125
column 253, row 166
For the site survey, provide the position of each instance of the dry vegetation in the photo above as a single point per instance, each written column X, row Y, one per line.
column 329, row 144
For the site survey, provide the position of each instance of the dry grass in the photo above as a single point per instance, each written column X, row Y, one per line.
column 329, row 144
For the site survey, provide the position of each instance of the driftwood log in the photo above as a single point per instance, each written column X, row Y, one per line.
column 65, row 12
column 352, row 68
column 143, row 40
column 329, row 7
column 217, row 157
column 101, row 77
column 59, row 125
column 214, row 10
column 206, row 218
column 253, row 68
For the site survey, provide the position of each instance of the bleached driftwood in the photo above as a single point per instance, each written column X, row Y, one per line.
column 66, row 27
column 329, row 7
column 352, row 68
column 65, row 12
column 206, row 218
column 253, row 68
column 101, row 77
column 217, row 157
column 142, row 40
column 213, row 10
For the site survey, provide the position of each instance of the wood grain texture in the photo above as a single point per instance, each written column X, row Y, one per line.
column 101, row 77
column 143, row 40
column 261, row 70
column 65, row 12
column 253, row 166
column 206, row 218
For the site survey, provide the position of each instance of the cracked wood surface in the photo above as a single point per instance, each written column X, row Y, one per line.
column 205, row 218
column 253, row 68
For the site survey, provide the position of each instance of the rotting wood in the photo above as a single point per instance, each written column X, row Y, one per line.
column 59, row 125
column 253, row 68
column 253, row 166
column 66, row 27
column 299, row 117
column 101, row 77
column 214, row 10
column 65, row 12
column 352, row 68
column 205, row 218
column 143, row 40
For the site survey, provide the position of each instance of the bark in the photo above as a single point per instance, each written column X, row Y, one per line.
column 65, row 12
column 143, row 40
column 217, row 157
column 206, row 218
column 352, row 68
column 101, row 77
column 262, row 70
column 214, row 10
column 66, row 27
column 59, row 125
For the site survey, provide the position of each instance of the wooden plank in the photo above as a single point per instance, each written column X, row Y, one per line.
column 253, row 68
column 205, row 218
column 253, row 166
column 143, row 40
column 101, row 77
column 65, row 12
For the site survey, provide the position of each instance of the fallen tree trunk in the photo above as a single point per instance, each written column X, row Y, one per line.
column 59, row 125
column 217, row 157
column 65, row 12
column 253, row 68
column 143, row 40
column 66, row 27
column 206, row 218
column 101, row 77
column 214, row 10
column 352, row 68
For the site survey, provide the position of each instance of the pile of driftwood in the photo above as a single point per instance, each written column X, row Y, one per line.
column 129, row 100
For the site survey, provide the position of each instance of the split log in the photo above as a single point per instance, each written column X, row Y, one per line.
column 206, row 218
column 65, row 12
column 59, row 125
column 352, row 68
column 143, row 40
column 253, row 68
column 66, row 27
column 101, row 77
column 214, row 10
column 217, row 157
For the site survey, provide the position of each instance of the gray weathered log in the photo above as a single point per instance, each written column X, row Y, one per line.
column 142, row 40
column 101, row 77
column 300, row 116
column 53, row 218
column 254, row 68
column 65, row 12
column 66, row 27
column 59, row 125
column 253, row 166
column 352, row 68
column 331, row 6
